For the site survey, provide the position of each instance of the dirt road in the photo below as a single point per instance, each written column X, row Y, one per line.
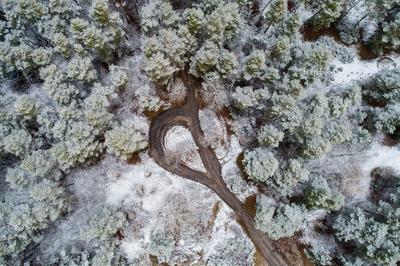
column 188, row 116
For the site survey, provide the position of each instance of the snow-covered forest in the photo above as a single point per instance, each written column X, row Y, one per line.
column 299, row 101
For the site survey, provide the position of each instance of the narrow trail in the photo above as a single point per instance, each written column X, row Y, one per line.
column 188, row 116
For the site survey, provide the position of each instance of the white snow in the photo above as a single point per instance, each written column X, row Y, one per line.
column 160, row 200
column 132, row 249
column 214, row 132
column 382, row 156
column 355, row 70
column 231, row 172
column 361, row 69
column 181, row 146
column 145, row 185
column 225, row 230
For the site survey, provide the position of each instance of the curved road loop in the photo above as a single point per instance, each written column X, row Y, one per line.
column 188, row 116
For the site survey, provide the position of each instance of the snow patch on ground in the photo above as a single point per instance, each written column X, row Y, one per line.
column 311, row 236
column 145, row 185
column 232, row 174
column 361, row 69
column 382, row 156
column 214, row 132
column 351, row 172
column 88, row 186
column 180, row 146
column 228, row 244
column 163, row 204
column 227, row 149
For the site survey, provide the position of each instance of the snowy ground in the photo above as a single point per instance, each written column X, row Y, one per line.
column 181, row 146
column 361, row 69
column 167, row 204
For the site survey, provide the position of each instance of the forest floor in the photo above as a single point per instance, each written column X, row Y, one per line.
column 188, row 116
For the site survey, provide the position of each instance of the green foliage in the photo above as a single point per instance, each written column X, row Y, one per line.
column 194, row 19
column 276, row 13
column 387, row 119
column 167, row 53
column 172, row 46
column 260, row 164
column 389, row 37
column 159, row 69
column 309, row 62
column 281, row 46
column 384, row 86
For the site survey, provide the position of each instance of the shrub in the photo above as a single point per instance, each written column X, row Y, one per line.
column 26, row 107
column 260, row 164
column 17, row 142
column 124, row 140
column 270, row 135
column 281, row 220
column 319, row 194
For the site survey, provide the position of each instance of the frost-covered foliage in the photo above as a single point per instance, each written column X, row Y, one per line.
column 282, row 220
column 328, row 11
column 270, row 136
column 247, row 97
column 255, row 63
column 213, row 62
column 38, row 164
column 124, row 140
column 224, row 22
column 260, row 164
column 292, row 172
column 173, row 41
column 318, row 194
column 17, row 142
column 104, row 224
column 55, row 108
column 383, row 90
column 26, row 107
column 119, row 78
column 72, row 74
column 321, row 256
column 374, row 228
column 22, row 223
